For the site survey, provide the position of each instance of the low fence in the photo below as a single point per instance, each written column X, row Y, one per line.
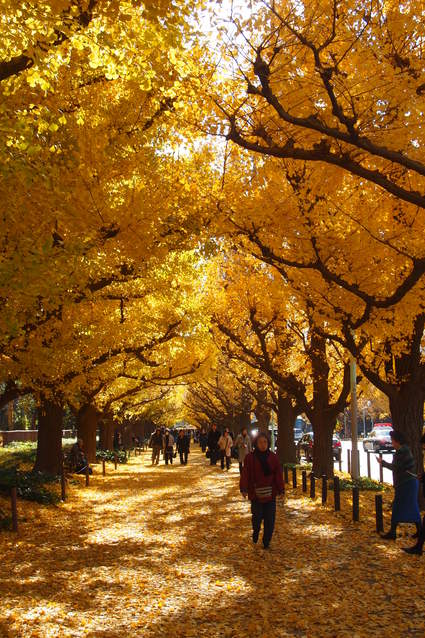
column 322, row 483
column 12, row 490
column 12, row 436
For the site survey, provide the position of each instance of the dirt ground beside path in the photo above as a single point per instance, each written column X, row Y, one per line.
column 166, row 552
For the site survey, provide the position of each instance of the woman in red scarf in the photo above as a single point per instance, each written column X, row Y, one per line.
column 262, row 481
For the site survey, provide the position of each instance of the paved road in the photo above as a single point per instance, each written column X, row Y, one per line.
column 374, row 466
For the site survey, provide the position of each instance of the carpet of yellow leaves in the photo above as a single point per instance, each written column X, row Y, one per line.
column 166, row 552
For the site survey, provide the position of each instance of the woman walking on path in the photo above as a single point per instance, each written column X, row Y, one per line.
column 406, row 486
column 183, row 445
column 225, row 443
column 168, row 447
column 262, row 481
column 243, row 446
column 418, row 547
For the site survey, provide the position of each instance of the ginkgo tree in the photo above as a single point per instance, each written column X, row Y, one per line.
column 264, row 325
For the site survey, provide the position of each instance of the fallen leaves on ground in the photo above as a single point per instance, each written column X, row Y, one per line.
column 166, row 551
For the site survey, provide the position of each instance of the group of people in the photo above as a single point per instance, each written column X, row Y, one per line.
column 220, row 446
column 163, row 442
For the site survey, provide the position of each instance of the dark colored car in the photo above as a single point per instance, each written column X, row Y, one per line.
column 305, row 446
column 379, row 440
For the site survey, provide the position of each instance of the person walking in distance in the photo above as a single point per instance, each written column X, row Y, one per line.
column 225, row 444
column 243, row 446
column 168, row 447
column 156, row 444
column 183, row 446
column 405, row 507
column 213, row 449
column 262, row 481
column 203, row 439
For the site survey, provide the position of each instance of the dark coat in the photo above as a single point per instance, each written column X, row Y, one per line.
column 156, row 440
column 258, row 486
column 183, row 443
column 403, row 466
column 213, row 439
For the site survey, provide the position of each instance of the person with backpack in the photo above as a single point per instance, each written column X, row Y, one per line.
column 262, row 481
column 156, row 443
column 168, row 446
column 183, row 446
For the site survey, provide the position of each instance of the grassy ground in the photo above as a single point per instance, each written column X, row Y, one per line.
column 165, row 551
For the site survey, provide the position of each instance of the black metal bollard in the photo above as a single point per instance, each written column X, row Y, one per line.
column 340, row 460
column 337, row 494
column 304, row 479
column 285, row 474
column 378, row 513
column 324, row 489
column 87, row 475
column 14, row 508
column 356, row 510
column 63, row 484
column 369, row 473
column 294, row 477
column 115, row 461
column 381, row 469
column 103, row 467
column 312, row 486
column 349, row 461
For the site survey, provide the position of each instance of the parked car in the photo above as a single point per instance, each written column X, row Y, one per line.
column 305, row 446
column 379, row 440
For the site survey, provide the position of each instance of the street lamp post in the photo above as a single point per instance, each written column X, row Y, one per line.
column 354, row 441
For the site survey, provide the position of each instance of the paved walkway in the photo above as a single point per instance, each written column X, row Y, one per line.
column 165, row 552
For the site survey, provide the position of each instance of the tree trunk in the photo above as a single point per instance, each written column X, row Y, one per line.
column 127, row 435
column 10, row 414
column 107, row 434
column 49, row 441
column 322, row 448
column 87, row 422
column 407, row 412
column 286, row 415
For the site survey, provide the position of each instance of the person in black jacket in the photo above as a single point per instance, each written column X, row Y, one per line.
column 203, row 439
column 418, row 547
column 156, row 444
column 405, row 505
column 214, row 451
column 183, row 446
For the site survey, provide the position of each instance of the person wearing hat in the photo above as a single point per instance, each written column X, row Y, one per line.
column 262, row 481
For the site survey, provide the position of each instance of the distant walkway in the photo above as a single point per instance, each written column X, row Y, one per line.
column 165, row 552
